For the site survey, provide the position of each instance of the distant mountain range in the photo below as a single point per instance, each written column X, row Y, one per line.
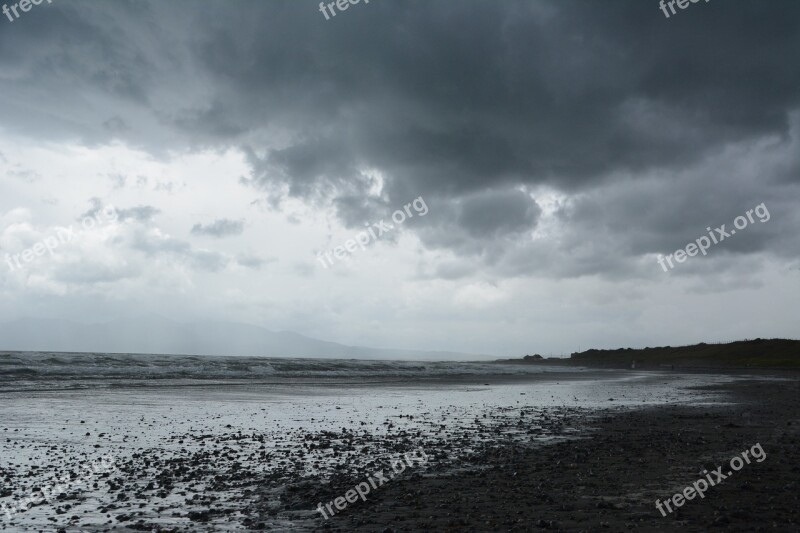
column 158, row 335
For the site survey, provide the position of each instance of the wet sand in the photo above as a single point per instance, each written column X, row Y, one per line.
column 610, row 480
column 571, row 452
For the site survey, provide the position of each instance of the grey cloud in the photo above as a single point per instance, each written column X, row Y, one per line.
column 317, row 170
column 154, row 244
column 89, row 273
column 452, row 270
column 118, row 180
column 29, row 176
column 305, row 270
column 98, row 209
column 479, row 224
column 214, row 122
column 452, row 101
column 115, row 125
column 534, row 98
column 220, row 228
column 498, row 213
column 142, row 213
column 474, row 93
column 355, row 210
column 253, row 261
column 207, row 260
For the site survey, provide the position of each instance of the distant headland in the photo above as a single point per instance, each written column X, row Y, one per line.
column 756, row 353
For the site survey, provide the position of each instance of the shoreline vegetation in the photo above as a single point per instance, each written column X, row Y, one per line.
column 749, row 354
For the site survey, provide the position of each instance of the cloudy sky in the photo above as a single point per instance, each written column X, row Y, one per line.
column 558, row 148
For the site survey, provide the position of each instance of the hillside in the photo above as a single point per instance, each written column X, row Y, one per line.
column 757, row 353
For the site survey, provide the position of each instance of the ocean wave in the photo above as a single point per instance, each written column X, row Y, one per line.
column 103, row 366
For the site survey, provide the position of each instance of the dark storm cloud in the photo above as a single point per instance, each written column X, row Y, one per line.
column 455, row 101
column 482, row 223
column 493, row 214
column 213, row 122
column 355, row 210
column 458, row 96
column 460, row 102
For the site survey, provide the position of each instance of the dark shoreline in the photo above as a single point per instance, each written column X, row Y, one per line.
column 769, row 355
column 611, row 479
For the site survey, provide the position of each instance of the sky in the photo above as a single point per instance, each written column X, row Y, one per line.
column 539, row 157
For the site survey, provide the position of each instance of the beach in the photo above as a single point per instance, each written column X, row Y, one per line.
column 424, row 266
column 611, row 479
column 232, row 448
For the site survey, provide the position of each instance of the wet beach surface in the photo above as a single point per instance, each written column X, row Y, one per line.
column 217, row 457
column 610, row 480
